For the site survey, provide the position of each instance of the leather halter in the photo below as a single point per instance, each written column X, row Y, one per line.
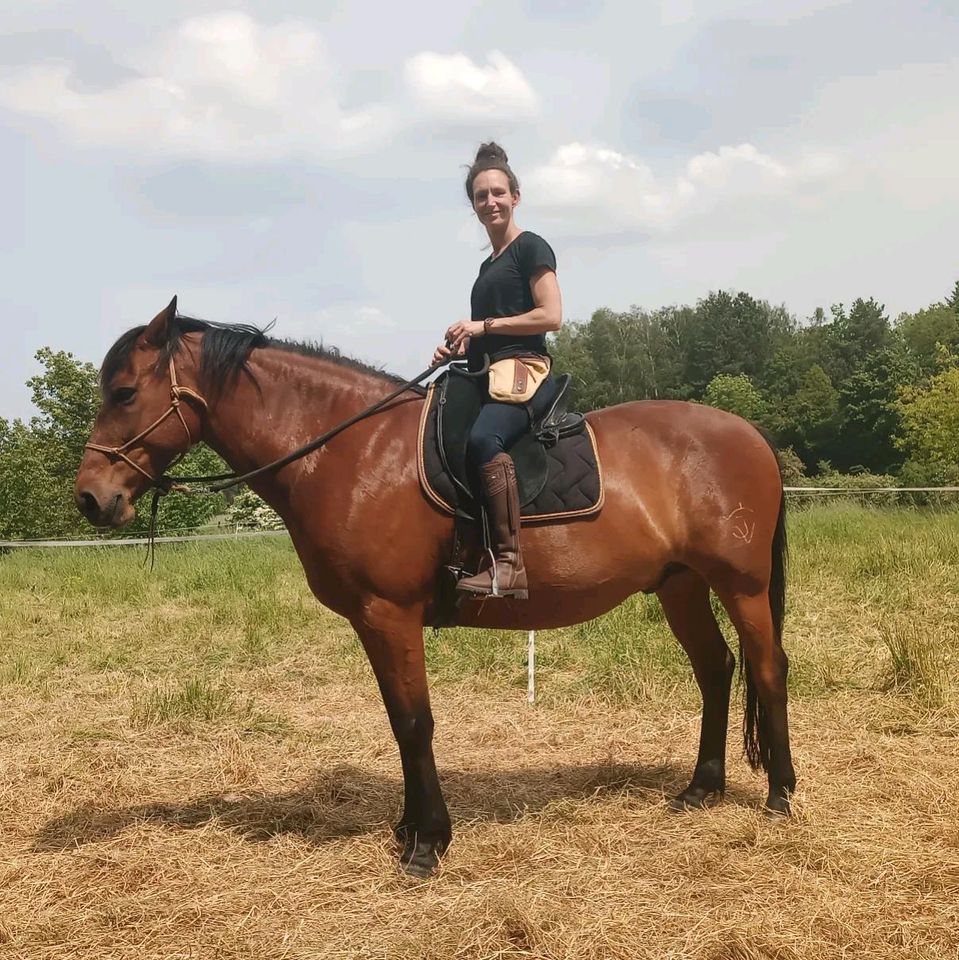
column 176, row 391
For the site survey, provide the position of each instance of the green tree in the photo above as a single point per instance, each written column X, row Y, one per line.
column 185, row 511
column 864, row 330
column 930, row 420
column 33, row 482
column 616, row 357
column 39, row 460
column 809, row 419
column 952, row 301
column 733, row 334
column 870, row 418
column 735, row 394
column 926, row 330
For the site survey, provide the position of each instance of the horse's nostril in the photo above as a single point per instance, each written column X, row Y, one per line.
column 87, row 503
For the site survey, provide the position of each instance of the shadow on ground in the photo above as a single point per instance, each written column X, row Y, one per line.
column 347, row 801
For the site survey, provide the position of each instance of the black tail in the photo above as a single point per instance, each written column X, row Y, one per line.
column 754, row 747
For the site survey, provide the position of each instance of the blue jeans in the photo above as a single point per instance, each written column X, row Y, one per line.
column 500, row 425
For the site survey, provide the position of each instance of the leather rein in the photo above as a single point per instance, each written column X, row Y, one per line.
column 224, row 481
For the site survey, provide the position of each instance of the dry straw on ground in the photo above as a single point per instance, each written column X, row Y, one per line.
column 213, row 778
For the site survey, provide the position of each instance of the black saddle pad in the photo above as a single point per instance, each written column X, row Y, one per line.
column 556, row 478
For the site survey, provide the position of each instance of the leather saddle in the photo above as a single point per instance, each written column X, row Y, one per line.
column 557, row 467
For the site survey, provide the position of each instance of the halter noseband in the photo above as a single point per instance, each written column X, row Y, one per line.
column 176, row 391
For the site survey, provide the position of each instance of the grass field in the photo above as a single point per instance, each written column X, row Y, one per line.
column 195, row 763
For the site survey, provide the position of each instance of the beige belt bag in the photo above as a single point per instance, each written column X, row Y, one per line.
column 516, row 379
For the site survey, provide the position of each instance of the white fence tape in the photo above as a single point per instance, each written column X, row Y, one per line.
column 871, row 489
column 139, row 541
column 241, row 534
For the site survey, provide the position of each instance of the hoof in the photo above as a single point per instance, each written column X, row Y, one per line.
column 694, row 798
column 776, row 809
column 420, row 859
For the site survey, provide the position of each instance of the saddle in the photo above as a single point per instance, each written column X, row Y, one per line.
column 557, row 470
column 557, row 465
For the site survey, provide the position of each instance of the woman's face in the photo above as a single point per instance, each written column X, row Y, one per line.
column 492, row 199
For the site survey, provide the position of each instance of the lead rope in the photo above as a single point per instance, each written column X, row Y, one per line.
column 165, row 483
column 225, row 481
column 151, row 553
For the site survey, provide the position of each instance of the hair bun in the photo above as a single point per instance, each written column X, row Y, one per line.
column 491, row 151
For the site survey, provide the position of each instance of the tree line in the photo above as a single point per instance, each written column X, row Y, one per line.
column 848, row 390
column 845, row 392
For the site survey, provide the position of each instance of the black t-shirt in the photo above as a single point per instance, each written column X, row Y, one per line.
column 502, row 289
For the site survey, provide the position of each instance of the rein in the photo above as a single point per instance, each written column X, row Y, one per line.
column 224, row 481
column 227, row 480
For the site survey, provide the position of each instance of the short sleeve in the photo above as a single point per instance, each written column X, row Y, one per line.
column 535, row 253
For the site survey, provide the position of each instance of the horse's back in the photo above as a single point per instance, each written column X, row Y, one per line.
column 685, row 445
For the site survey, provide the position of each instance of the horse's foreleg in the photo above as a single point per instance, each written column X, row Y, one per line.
column 767, row 666
column 393, row 640
column 685, row 600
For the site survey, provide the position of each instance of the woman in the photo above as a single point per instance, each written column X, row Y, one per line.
column 515, row 302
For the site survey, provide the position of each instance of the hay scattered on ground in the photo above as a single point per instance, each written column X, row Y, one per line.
column 117, row 841
column 191, row 769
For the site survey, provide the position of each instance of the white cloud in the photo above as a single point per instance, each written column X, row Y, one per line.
column 221, row 87
column 452, row 88
column 594, row 189
column 224, row 87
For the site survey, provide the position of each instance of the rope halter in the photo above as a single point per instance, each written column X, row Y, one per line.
column 176, row 392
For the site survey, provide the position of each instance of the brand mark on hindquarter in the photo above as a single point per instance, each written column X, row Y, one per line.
column 743, row 527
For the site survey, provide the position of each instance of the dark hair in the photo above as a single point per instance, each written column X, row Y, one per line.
column 490, row 156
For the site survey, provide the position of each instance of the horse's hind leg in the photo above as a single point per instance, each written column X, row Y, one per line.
column 685, row 600
column 765, row 666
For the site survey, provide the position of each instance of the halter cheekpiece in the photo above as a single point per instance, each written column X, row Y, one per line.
column 176, row 392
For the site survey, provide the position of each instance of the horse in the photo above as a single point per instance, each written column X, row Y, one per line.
column 693, row 503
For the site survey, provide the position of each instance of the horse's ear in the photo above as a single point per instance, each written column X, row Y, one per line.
column 157, row 332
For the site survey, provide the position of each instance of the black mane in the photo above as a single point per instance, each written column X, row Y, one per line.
column 225, row 350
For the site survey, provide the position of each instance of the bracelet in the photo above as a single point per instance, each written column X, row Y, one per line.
column 488, row 325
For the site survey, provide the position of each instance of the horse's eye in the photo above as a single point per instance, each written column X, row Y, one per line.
column 124, row 395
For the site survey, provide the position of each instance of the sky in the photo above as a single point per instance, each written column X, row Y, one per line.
column 302, row 161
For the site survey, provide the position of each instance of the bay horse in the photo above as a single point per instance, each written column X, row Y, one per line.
column 693, row 503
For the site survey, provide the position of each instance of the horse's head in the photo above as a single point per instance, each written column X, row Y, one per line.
column 146, row 421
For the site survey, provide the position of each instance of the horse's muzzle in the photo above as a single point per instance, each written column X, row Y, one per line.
column 104, row 508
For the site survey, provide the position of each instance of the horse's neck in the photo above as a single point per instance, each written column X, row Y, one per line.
column 289, row 399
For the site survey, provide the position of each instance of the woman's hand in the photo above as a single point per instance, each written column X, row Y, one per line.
column 443, row 351
column 459, row 334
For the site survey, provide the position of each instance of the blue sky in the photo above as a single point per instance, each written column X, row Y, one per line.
column 303, row 161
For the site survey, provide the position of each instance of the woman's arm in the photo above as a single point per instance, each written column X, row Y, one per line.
column 545, row 317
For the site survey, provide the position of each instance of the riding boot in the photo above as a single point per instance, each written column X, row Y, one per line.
column 506, row 576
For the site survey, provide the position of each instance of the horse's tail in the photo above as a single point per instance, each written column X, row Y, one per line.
column 754, row 745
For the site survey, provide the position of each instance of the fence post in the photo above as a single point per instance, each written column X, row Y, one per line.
column 531, row 667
